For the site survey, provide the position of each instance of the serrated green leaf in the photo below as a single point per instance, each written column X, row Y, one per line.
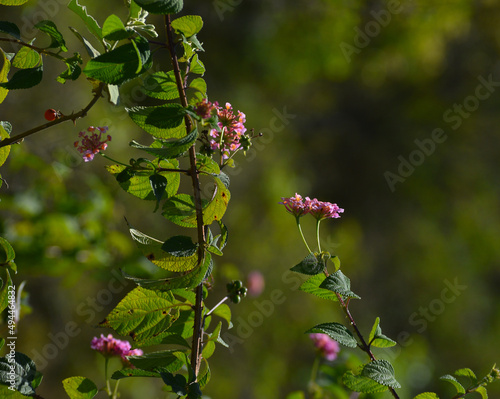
column 161, row 6
column 138, row 183
column 161, row 85
column 170, row 149
column 452, row 380
column 24, row 371
column 336, row 331
column 310, row 265
column 163, row 122
column 339, row 283
column 4, row 151
column 73, row 69
column 482, row 391
column 121, row 64
column 188, row 280
column 113, row 29
column 50, row 29
column 4, row 72
column 188, row 25
column 26, row 58
column 196, row 65
column 80, row 388
column 125, row 373
column 143, row 314
column 206, row 164
column 199, row 84
column 312, row 286
column 359, row 383
column 164, row 360
column 89, row 21
column 382, row 372
column 468, row 373
column 12, row 2
column 426, row 395
column 377, row 339
column 24, row 79
column 180, row 246
column 152, row 250
column 10, row 28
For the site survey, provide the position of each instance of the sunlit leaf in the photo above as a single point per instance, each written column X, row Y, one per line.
column 80, row 388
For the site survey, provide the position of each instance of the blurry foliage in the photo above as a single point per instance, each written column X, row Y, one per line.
column 352, row 122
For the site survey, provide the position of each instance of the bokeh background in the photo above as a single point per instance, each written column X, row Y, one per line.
column 344, row 92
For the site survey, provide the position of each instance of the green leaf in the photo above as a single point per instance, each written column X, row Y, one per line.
column 382, row 372
column 91, row 51
column 196, row 65
column 312, row 286
column 13, row 2
column 113, row 29
column 7, row 249
column 481, row 390
column 426, row 395
column 468, row 373
column 188, row 25
column 200, row 85
column 26, row 58
column 24, row 79
column 24, row 371
column 224, row 311
column 4, row 151
column 79, row 388
column 4, row 292
column 50, row 29
column 189, row 280
column 143, row 314
column 359, row 383
column 152, row 250
column 309, row 265
column 161, row 85
column 177, row 382
column 452, row 380
column 121, row 64
column 180, row 246
column 138, row 183
column 158, row 184
column 339, row 283
column 170, row 149
column 378, row 339
column 73, row 69
column 6, row 393
column 207, row 165
column 163, row 122
column 125, row 373
column 161, row 6
column 4, row 72
column 166, row 360
column 336, row 331
column 10, row 28
column 89, row 21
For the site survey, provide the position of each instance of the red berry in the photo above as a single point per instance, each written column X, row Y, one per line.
column 51, row 115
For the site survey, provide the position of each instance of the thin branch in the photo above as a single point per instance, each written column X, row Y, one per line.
column 72, row 117
column 198, row 307
column 37, row 49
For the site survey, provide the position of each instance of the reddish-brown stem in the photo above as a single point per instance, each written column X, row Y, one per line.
column 72, row 117
column 198, row 307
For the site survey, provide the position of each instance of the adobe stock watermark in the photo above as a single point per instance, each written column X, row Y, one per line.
column 223, row 6
column 372, row 28
column 89, row 308
column 429, row 313
column 454, row 117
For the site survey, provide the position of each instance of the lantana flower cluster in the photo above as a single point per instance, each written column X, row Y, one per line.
column 90, row 145
column 298, row 207
column 109, row 347
column 326, row 346
column 231, row 133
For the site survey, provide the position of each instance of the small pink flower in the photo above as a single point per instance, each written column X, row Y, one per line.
column 110, row 347
column 324, row 210
column 296, row 205
column 231, row 128
column 327, row 347
column 205, row 108
column 91, row 144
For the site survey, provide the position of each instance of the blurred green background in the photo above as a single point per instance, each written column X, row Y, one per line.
column 346, row 93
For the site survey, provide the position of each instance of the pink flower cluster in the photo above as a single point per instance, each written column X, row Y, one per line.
column 205, row 109
column 298, row 207
column 327, row 347
column 91, row 145
column 110, row 346
column 231, row 130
